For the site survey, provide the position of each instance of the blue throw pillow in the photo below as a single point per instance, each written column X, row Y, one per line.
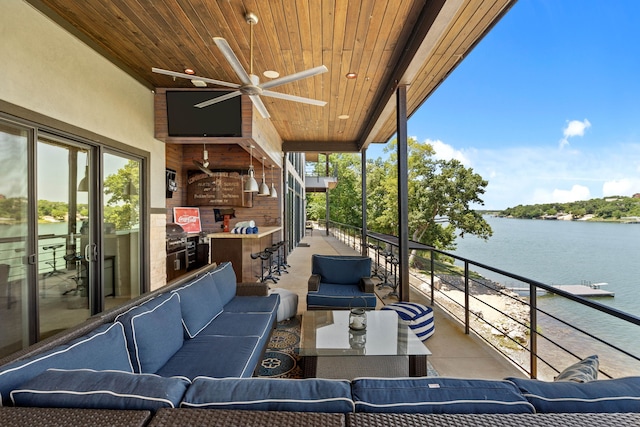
column 199, row 303
column 225, row 279
column 105, row 348
column 85, row 388
column 270, row 394
column 438, row 396
column 154, row 332
column 618, row 395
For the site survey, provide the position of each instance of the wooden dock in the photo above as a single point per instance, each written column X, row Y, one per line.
column 593, row 290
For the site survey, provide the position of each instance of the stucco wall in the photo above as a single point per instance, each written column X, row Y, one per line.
column 47, row 70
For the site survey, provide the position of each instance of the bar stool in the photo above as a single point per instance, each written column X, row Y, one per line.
column 52, row 263
column 394, row 286
column 279, row 263
column 265, row 265
column 388, row 256
column 375, row 271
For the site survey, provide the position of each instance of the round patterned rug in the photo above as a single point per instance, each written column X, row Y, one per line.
column 281, row 358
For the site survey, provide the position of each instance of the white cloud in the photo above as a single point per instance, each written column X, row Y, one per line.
column 577, row 192
column 621, row 187
column 574, row 128
column 447, row 152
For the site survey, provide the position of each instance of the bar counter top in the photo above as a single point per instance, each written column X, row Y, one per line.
column 262, row 232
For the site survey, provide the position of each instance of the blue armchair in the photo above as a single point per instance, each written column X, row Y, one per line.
column 340, row 282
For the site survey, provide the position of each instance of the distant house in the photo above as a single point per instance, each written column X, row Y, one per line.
column 636, row 196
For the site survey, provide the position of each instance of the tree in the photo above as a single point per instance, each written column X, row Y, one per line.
column 440, row 196
column 122, row 207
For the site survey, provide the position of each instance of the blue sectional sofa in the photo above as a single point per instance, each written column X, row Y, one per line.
column 185, row 355
column 152, row 349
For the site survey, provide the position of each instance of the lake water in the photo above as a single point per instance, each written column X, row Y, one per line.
column 564, row 253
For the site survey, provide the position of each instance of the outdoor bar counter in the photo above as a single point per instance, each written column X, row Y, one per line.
column 238, row 248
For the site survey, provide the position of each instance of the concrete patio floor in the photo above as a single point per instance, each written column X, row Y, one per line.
column 454, row 354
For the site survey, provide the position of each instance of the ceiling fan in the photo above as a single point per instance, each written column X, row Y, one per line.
column 204, row 165
column 250, row 85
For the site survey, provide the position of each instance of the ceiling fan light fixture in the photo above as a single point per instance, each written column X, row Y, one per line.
column 271, row 74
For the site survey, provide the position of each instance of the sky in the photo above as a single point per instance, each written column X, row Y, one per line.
column 546, row 108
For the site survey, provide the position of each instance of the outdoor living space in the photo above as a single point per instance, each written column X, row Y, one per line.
column 453, row 353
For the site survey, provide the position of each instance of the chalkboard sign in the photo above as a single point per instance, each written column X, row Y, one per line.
column 224, row 188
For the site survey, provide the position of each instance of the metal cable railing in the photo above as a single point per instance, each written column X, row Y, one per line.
column 521, row 328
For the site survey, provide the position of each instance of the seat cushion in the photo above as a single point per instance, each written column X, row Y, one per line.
column 253, row 304
column 418, row 316
column 215, row 356
column 105, row 348
column 617, row 395
column 340, row 269
column 343, row 296
column 85, row 388
column 154, row 332
column 438, row 396
column 270, row 394
column 241, row 324
column 200, row 303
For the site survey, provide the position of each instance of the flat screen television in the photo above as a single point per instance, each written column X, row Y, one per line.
column 223, row 119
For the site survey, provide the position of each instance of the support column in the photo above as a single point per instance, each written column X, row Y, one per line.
column 326, row 196
column 403, row 192
column 363, row 174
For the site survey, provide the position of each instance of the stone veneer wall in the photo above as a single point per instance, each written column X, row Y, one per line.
column 158, row 253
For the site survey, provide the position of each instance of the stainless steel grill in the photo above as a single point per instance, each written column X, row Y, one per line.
column 176, row 238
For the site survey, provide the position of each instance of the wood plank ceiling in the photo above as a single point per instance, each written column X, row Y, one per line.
column 413, row 42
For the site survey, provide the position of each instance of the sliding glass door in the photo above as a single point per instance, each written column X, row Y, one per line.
column 14, row 245
column 122, row 241
column 66, row 248
column 71, row 232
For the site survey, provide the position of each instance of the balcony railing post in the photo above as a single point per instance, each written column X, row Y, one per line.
column 533, row 327
column 466, row 298
column 433, row 276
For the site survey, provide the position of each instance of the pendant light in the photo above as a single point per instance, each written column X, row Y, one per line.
column 83, row 186
column 251, row 186
column 264, row 188
column 274, row 193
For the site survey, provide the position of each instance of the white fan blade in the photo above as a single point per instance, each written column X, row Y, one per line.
column 260, row 106
column 232, row 59
column 192, row 77
column 218, row 99
column 202, row 168
column 295, row 76
column 293, row 98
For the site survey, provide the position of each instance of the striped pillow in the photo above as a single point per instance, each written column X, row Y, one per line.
column 418, row 316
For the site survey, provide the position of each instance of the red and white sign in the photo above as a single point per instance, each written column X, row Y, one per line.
column 188, row 218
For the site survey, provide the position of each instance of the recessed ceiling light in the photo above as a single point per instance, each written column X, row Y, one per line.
column 343, row 116
column 271, row 74
column 189, row 71
column 351, row 75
